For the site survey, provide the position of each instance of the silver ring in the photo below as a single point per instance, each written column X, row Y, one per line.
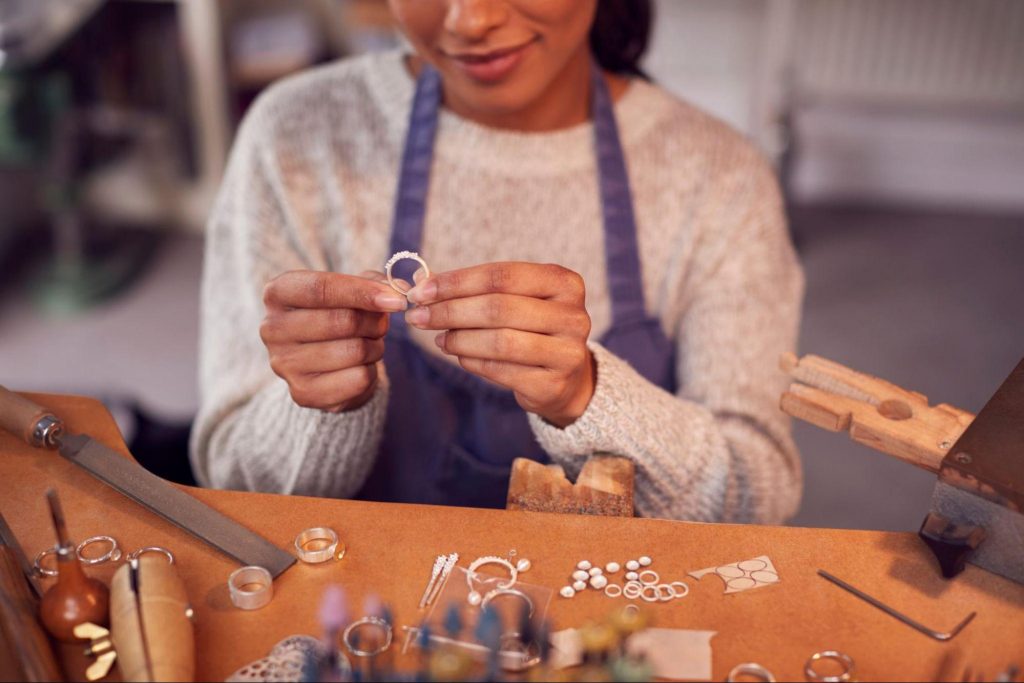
column 112, row 555
column 686, row 589
column 608, row 590
column 649, row 572
column 845, row 660
column 346, row 637
column 135, row 554
column 643, row 593
column 632, row 590
column 671, row 592
column 512, row 592
column 250, row 587
column 401, row 256
column 750, row 669
column 38, row 562
column 320, row 554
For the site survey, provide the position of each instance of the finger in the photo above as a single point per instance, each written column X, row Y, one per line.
column 335, row 390
column 522, row 379
column 541, row 281
column 378, row 276
column 502, row 310
column 314, row 289
column 316, row 325
column 515, row 346
column 320, row 357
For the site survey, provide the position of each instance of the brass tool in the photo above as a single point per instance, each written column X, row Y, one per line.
column 42, row 429
column 977, row 511
column 75, row 598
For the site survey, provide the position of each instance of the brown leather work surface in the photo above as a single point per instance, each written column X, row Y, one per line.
column 391, row 549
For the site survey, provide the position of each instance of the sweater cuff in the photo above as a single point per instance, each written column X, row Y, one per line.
column 594, row 431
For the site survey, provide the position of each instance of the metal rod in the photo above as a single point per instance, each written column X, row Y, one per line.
column 937, row 635
column 57, row 513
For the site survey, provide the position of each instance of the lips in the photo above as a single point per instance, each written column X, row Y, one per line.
column 492, row 66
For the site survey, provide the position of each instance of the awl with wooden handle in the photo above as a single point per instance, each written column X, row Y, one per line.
column 42, row 429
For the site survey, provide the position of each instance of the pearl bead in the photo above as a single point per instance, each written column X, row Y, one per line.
column 584, row 565
column 474, row 598
column 599, row 581
column 632, row 565
column 567, row 591
column 596, row 571
column 580, row 586
column 580, row 575
column 632, row 576
column 523, row 565
column 645, row 561
column 612, row 567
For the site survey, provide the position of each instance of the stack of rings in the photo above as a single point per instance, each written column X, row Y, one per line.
column 650, row 592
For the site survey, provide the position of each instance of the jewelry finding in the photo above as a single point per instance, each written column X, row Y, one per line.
column 324, row 542
column 669, row 592
column 846, row 661
column 599, row 581
column 579, row 586
column 632, row 591
column 567, row 591
column 374, row 622
column 632, row 565
column 38, row 563
column 580, row 575
column 649, row 581
column 752, row 669
column 112, row 555
column 612, row 567
column 401, row 256
column 136, row 554
column 685, row 591
column 644, row 561
column 474, row 597
column 449, row 564
column 510, row 592
column 652, row 598
column 435, row 572
column 250, row 587
column 613, row 590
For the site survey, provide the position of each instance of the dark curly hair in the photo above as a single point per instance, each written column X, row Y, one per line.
column 620, row 33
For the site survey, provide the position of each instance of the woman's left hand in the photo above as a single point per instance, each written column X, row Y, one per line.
column 523, row 326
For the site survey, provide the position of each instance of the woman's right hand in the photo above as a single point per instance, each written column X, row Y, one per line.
column 324, row 333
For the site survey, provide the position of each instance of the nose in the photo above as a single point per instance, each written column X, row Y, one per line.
column 472, row 20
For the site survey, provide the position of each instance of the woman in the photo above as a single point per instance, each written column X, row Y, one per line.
column 610, row 272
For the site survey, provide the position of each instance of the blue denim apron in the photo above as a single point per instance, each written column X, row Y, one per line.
column 450, row 436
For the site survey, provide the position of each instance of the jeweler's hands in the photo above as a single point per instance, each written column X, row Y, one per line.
column 523, row 326
column 324, row 333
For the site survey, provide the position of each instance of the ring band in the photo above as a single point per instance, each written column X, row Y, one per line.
column 512, row 592
column 686, row 588
column 250, row 587
column 135, row 554
column 845, row 660
column 112, row 555
column 643, row 593
column 649, row 573
column 346, row 637
column 319, row 554
column 671, row 592
column 613, row 590
column 38, row 562
column 752, row 669
column 401, row 256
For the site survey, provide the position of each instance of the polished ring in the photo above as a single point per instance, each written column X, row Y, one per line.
column 686, row 588
column 510, row 592
column 250, row 587
column 38, row 562
column 632, row 590
column 135, row 554
column 613, row 590
column 643, row 593
column 671, row 592
column 401, row 256
column 845, row 660
column 649, row 573
column 112, row 555
column 346, row 637
column 324, row 541
column 752, row 669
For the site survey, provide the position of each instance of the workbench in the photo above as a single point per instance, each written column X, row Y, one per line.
column 391, row 549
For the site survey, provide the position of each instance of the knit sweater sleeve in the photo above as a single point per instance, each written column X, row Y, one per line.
column 249, row 433
column 719, row 449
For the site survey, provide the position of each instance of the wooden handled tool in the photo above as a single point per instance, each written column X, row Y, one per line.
column 150, row 622
column 36, row 425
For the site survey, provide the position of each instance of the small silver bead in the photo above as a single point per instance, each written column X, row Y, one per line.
column 612, row 567
column 596, row 571
column 632, row 565
column 584, row 565
column 645, row 561
column 579, row 586
column 567, row 591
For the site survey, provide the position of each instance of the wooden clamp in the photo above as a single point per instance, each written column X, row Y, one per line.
column 876, row 413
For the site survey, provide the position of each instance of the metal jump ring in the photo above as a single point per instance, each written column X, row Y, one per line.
column 613, row 590
column 38, row 562
column 346, row 637
column 112, row 555
column 643, row 593
column 845, row 660
column 686, row 588
column 401, row 256
column 512, row 592
column 752, row 669
column 649, row 573
column 135, row 554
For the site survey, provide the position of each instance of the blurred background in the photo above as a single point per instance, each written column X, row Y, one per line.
column 897, row 127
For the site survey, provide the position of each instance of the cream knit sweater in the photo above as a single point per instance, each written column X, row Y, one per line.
column 310, row 185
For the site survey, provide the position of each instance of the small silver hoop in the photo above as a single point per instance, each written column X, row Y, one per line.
column 511, row 592
column 649, row 573
column 632, row 590
column 613, row 590
column 750, row 669
column 665, row 598
column 845, row 660
column 643, row 593
column 401, row 256
column 135, row 554
column 346, row 637
column 112, row 555
column 38, row 562
column 686, row 589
